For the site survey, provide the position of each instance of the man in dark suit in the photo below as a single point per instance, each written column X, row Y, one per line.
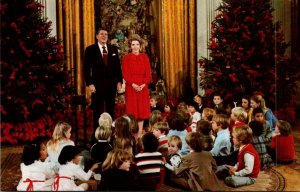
column 103, row 75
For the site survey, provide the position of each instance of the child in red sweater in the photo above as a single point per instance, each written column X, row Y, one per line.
column 247, row 168
column 282, row 145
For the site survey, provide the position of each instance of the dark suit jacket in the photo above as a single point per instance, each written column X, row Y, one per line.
column 104, row 77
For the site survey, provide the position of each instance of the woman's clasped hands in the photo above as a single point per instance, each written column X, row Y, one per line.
column 138, row 88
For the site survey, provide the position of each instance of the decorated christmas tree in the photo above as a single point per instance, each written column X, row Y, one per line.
column 247, row 53
column 34, row 82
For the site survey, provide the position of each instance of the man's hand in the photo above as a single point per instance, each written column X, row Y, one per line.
column 92, row 88
column 119, row 86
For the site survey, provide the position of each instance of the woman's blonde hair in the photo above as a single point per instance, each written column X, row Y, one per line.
column 259, row 99
column 59, row 133
column 115, row 159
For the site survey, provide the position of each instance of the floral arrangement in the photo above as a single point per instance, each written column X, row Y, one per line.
column 14, row 133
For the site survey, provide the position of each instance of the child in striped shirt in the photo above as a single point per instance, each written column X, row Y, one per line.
column 160, row 131
column 149, row 163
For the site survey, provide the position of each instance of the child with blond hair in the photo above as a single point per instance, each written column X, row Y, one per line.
column 247, row 168
column 117, row 174
column 60, row 138
column 238, row 117
column 208, row 113
column 174, row 156
column 103, row 133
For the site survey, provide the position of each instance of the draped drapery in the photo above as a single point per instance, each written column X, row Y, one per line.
column 178, row 51
column 77, row 30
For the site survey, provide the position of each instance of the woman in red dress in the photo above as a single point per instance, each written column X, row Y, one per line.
column 137, row 74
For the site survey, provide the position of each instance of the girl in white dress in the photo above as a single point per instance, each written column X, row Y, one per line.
column 70, row 170
column 60, row 138
column 36, row 175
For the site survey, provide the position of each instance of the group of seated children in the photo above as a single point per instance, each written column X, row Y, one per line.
column 188, row 145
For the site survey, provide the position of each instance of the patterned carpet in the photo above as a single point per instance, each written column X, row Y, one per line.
column 270, row 180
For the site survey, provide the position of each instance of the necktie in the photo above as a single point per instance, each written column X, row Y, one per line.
column 104, row 54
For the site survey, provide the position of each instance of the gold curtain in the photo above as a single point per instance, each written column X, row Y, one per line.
column 174, row 27
column 77, row 30
column 178, row 47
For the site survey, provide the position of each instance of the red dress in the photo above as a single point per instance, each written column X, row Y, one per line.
column 136, row 69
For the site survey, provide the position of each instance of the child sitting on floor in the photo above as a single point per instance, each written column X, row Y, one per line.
column 155, row 117
column 259, row 142
column 174, row 158
column 160, row 131
column 247, row 168
column 36, row 175
column 70, row 170
column 177, row 127
column 222, row 143
column 238, row 116
column 208, row 113
column 196, row 172
column 282, row 145
column 154, row 103
column 61, row 137
column 204, row 127
column 194, row 114
column 149, row 163
column 117, row 175
column 100, row 149
column 258, row 115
